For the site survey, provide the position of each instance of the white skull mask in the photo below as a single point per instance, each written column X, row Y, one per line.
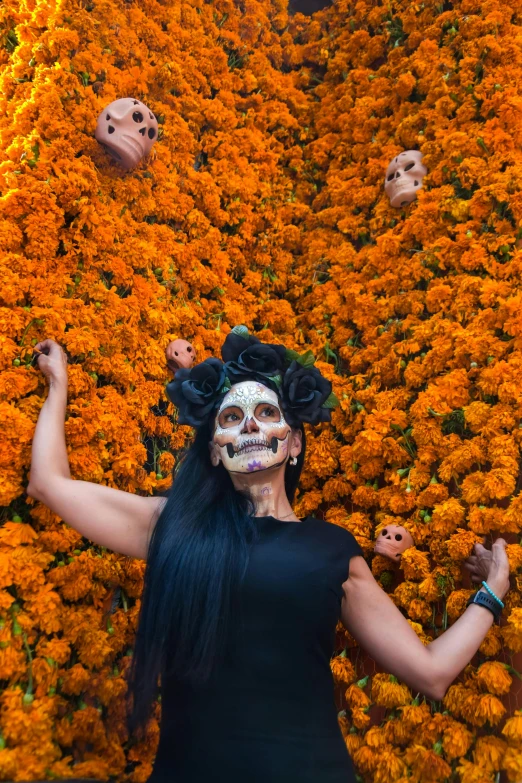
column 251, row 432
column 404, row 178
column 127, row 129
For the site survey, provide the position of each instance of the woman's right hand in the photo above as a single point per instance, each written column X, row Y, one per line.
column 52, row 361
column 490, row 565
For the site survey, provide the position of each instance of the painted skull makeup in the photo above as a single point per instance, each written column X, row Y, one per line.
column 251, row 432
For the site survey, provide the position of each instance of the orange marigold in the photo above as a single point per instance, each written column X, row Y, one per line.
column 512, row 632
column 494, row 677
column 388, row 692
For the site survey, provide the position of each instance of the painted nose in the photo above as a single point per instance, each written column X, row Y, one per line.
column 250, row 425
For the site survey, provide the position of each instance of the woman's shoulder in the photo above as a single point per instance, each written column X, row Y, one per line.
column 337, row 535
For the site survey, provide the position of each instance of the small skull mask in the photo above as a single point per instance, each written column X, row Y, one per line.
column 180, row 353
column 127, row 129
column 404, row 178
column 392, row 541
column 251, row 432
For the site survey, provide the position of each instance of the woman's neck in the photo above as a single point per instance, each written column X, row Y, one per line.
column 268, row 495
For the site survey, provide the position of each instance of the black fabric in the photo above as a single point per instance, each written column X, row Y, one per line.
column 268, row 715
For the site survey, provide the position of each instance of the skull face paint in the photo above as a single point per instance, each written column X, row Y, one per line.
column 251, row 432
column 404, row 178
column 127, row 129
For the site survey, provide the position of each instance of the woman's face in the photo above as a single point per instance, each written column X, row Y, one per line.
column 250, row 431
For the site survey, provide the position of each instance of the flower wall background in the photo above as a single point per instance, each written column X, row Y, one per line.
column 262, row 203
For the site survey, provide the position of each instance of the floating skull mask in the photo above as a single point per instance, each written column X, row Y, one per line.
column 392, row 541
column 404, row 178
column 251, row 432
column 127, row 129
column 180, row 353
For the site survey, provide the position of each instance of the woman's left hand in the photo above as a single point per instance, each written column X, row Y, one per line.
column 491, row 566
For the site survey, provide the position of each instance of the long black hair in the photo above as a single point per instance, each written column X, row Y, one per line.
column 197, row 556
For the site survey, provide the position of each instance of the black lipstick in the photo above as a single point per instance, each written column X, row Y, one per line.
column 230, row 450
column 275, row 444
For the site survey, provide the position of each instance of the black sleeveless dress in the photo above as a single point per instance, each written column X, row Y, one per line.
column 268, row 715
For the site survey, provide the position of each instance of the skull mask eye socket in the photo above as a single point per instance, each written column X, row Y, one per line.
column 409, row 166
column 398, row 537
column 137, row 116
column 230, row 417
column 265, row 411
column 384, row 533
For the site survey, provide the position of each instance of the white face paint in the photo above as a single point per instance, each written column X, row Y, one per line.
column 251, row 432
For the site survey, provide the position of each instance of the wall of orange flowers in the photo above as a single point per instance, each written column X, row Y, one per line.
column 262, row 203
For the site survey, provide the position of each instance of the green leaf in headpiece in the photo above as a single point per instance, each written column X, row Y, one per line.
column 291, row 356
column 241, row 330
column 277, row 379
column 226, row 385
column 332, row 401
column 306, row 359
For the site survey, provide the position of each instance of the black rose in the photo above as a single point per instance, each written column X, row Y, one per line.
column 258, row 361
column 195, row 391
column 235, row 344
column 304, row 391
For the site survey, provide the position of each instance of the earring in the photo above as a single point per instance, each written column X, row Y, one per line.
column 293, row 461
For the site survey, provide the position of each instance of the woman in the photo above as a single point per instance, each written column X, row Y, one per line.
column 241, row 598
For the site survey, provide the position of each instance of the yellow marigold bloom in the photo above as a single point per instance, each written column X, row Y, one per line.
column 405, row 593
column 353, row 742
column 342, row 670
column 456, row 740
column 471, row 773
column 483, row 709
column 512, row 764
column 494, row 677
column 447, row 517
column 360, row 718
column 460, row 544
column 512, row 632
column 390, row 767
column 489, row 752
column 366, row 759
column 419, row 610
column 415, row 564
column 513, row 727
column 492, row 643
column 356, row 697
column 426, row 765
column 456, row 602
column 387, row 692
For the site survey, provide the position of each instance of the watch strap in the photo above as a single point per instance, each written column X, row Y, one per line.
column 484, row 599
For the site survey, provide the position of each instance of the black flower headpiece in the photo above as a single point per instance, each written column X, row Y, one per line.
column 306, row 396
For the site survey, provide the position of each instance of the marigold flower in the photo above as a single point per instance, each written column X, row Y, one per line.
column 342, row 670
column 512, row 632
column 494, row 677
column 456, row 740
column 387, row 692
column 513, row 727
column 489, row 752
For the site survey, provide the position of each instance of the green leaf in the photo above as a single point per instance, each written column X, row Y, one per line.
column 241, row 330
column 332, row 401
column 291, row 356
column 277, row 379
column 226, row 385
column 306, row 359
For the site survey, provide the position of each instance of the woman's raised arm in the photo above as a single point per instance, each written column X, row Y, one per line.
column 374, row 621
